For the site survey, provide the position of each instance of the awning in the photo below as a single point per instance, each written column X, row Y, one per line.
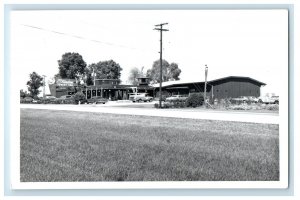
column 176, row 88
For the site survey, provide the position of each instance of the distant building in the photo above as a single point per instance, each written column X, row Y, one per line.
column 227, row 87
column 106, row 88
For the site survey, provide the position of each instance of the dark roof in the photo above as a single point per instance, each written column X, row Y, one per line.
column 236, row 77
column 107, row 79
column 142, row 77
column 180, row 82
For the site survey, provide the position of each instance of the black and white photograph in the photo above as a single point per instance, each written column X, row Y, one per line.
column 150, row 98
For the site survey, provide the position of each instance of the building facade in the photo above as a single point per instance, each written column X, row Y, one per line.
column 106, row 88
column 227, row 87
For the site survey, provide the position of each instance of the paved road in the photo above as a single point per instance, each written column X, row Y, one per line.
column 147, row 109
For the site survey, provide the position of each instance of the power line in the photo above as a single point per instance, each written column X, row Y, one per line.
column 84, row 38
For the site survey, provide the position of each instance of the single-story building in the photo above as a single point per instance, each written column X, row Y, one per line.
column 226, row 87
column 106, row 88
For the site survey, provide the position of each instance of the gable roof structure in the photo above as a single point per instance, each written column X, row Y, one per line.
column 212, row 82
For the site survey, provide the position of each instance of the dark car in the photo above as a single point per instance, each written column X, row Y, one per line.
column 65, row 99
column 97, row 100
column 26, row 100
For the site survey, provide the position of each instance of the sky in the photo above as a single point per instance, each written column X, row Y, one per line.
column 252, row 43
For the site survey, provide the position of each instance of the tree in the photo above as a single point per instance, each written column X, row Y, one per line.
column 169, row 71
column 103, row 70
column 174, row 71
column 23, row 93
column 34, row 83
column 79, row 96
column 134, row 74
column 71, row 65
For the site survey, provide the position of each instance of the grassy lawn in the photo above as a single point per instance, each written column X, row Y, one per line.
column 81, row 146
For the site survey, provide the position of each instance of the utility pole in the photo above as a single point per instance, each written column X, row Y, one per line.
column 206, row 70
column 160, row 74
column 94, row 75
column 44, row 92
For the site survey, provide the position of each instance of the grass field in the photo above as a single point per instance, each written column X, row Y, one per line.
column 79, row 146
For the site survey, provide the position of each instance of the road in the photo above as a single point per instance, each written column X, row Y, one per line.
column 147, row 109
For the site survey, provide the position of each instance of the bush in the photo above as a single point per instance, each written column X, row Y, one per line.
column 177, row 103
column 272, row 107
column 69, row 101
column 195, row 100
column 164, row 95
column 36, row 97
column 79, row 96
column 57, row 101
column 163, row 105
column 240, row 107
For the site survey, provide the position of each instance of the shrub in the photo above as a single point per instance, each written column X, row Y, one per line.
column 222, row 103
column 22, row 100
column 69, row 101
column 163, row 105
column 241, row 107
column 57, row 101
column 79, row 96
column 177, row 103
column 194, row 100
column 36, row 97
column 164, row 95
column 166, row 105
column 272, row 107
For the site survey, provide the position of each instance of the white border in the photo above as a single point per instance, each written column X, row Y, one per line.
column 15, row 159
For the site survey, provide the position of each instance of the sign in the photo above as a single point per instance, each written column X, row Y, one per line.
column 65, row 82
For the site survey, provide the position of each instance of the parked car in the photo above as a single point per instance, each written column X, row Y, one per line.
column 176, row 97
column 275, row 99
column 269, row 100
column 49, row 99
column 37, row 101
column 240, row 99
column 244, row 99
column 64, row 99
column 97, row 100
column 253, row 99
column 27, row 100
column 139, row 97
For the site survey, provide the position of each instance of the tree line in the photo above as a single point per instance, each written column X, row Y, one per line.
column 73, row 66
